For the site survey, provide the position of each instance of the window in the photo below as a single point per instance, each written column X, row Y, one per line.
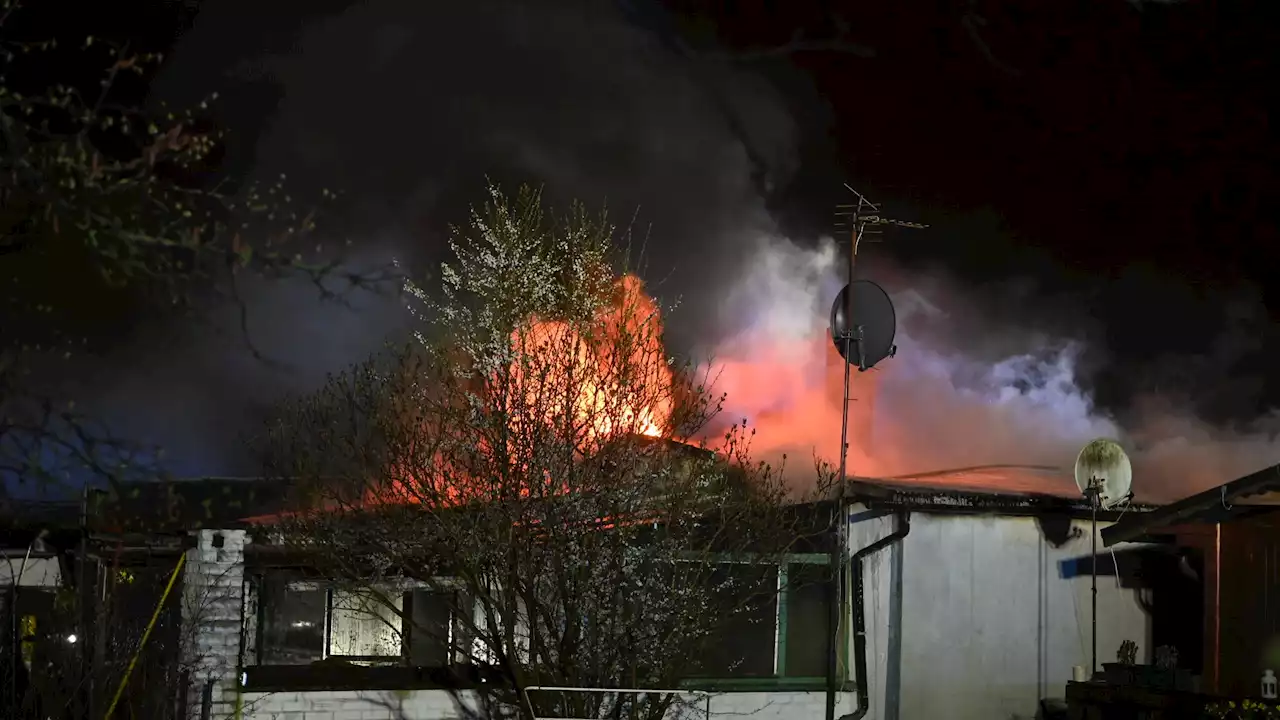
column 742, row 645
column 366, row 625
column 776, row 622
column 292, row 621
column 299, row 622
column 435, row 629
column 807, row 589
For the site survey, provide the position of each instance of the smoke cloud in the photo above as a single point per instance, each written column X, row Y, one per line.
column 985, row 394
column 408, row 107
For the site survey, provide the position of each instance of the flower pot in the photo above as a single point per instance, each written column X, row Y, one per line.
column 1118, row 673
column 1147, row 676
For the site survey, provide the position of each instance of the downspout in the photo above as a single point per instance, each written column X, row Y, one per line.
column 859, row 613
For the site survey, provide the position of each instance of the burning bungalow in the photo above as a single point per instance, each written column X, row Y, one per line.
column 953, row 600
column 959, row 603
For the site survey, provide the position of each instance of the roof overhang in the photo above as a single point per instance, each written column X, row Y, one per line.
column 923, row 497
column 1254, row 494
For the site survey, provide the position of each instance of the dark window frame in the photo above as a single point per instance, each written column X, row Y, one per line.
column 264, row 578
column 781, row 633
column 402, row 658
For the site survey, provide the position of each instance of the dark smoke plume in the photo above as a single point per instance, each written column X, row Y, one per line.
column 408, row 107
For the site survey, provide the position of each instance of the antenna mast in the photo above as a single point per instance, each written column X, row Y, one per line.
column 1094, row 493
column 862, row 219
column 1105, row 477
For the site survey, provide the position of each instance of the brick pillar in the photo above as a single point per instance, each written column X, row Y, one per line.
column 213, row 596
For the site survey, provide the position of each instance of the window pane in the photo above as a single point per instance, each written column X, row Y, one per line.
column 292, row 622
column 432, row 631
column 743, row 644
column 252, row 599
column 808, row 614
column 365, row 625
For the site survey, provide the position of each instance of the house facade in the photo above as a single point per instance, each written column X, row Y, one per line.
column 960, row 604
column 272, row 646
column 982, row 605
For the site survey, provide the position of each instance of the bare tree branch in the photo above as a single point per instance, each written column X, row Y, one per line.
column 539, row 448
column 106, row 207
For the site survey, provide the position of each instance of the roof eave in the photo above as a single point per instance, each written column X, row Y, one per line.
column 1215, row 505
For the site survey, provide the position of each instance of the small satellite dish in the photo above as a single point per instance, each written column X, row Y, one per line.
column 872, row 326
column 1103, row 464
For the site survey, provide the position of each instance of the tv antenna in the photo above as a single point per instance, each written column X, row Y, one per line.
column 863, row 324
column 1105, row 477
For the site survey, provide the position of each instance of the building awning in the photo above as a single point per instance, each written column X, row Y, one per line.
column 38, row 572
column 1252, row 494
column 896, row 494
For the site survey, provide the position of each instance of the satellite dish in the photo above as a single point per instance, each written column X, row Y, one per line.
column 872, row 326
column 1103, row 464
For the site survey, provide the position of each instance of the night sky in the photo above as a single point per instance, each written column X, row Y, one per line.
column 1103, row 170
column 1118, row 155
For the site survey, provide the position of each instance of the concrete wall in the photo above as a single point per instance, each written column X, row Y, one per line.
column 969, row 617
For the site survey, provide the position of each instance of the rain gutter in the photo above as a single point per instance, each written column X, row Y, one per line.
column 859, row 613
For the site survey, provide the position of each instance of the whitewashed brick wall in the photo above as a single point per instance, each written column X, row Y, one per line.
column 437, row 705
column 334, row 705
column 213, row 594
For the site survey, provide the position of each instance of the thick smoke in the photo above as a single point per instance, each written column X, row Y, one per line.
column 979, row 394
column 408, row 107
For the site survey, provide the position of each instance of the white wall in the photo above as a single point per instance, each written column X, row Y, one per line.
column 988, row 626
column 437, row 705
column 39, row 571
column 213, row 593
column 213, row 589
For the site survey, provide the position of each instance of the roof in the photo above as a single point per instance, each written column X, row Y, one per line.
column 964, row 502
column 990, row 490
column 993, row 479
column 1253, row 494
column 159, row 506
column 180, row 505
column 19, row 514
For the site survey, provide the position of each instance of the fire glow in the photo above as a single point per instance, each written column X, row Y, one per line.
column 940, row 413
column 610, row 378
column 937, row 405
column 585, row 382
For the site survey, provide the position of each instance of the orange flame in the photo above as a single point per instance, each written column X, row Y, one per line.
column 612, row 379
column 609, row 378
